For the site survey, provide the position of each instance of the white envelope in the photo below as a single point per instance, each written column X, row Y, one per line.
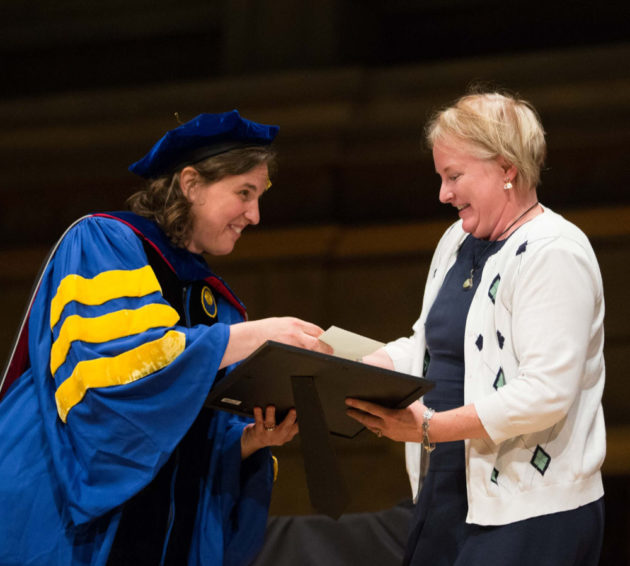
column 349, row 345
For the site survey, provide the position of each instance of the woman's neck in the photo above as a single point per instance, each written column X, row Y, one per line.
column 522, row 214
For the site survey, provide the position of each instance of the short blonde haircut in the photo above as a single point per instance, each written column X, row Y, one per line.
column 493, row 125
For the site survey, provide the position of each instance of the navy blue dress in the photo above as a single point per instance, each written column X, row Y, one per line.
column 440, row 535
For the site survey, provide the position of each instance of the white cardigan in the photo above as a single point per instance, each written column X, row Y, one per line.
column 534, row 370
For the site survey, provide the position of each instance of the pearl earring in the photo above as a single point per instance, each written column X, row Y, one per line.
column 508, row 185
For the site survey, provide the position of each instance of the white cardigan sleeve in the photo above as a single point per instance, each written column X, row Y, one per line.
column 556, row 306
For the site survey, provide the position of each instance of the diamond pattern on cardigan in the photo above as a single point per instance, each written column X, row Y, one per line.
column 494, row 476
column 540, row 460
column 426, row 362
column 521, row 248
column 494, row 286
column 479, row 342
column 499, row 380
column 501, row 339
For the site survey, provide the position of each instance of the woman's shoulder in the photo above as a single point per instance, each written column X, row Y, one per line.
column 94, row 243
column 549, row 242
column 108, row 221
column 93, row 225
column 103, row 229
column 551, row 225
column 548, row 231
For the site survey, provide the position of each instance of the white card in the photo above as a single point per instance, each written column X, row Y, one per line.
column 349, row 345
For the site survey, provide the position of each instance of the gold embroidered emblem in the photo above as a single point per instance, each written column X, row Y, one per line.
column 208, row 303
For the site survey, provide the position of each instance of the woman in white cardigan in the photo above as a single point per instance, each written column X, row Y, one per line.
column 511, row 332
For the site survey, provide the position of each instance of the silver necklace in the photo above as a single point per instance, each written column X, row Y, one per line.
column 468, row 282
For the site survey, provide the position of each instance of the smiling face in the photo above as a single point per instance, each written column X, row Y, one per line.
column 475, row 187
column 223, row 209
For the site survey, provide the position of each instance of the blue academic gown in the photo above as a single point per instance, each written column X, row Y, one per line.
column 115, row 379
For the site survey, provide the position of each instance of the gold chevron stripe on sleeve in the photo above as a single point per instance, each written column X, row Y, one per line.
column 102, row 288
column 119, row 370
column 108, row 327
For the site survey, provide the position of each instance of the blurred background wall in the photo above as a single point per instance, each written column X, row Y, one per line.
column 350, row 223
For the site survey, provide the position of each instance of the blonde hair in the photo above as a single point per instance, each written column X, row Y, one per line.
column 494, row 124
column 163, row 201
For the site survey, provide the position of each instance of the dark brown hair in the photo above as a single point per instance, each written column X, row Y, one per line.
column 163, row 201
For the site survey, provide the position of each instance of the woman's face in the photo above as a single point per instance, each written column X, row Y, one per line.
column 223, row 209
column 475, row 187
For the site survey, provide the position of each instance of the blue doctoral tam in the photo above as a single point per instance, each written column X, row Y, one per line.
column 202, row 137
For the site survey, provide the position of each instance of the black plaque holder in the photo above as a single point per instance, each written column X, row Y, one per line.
column 326, row 487
column 316, row 385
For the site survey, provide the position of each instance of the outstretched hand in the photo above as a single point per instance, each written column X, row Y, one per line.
column 265, row 432
column 246, row 337
column 403, row 425
column 292, row 331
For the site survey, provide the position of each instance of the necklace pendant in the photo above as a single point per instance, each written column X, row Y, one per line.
column 468, row 283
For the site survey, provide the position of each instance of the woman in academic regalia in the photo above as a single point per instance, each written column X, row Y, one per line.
column 107, row 453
